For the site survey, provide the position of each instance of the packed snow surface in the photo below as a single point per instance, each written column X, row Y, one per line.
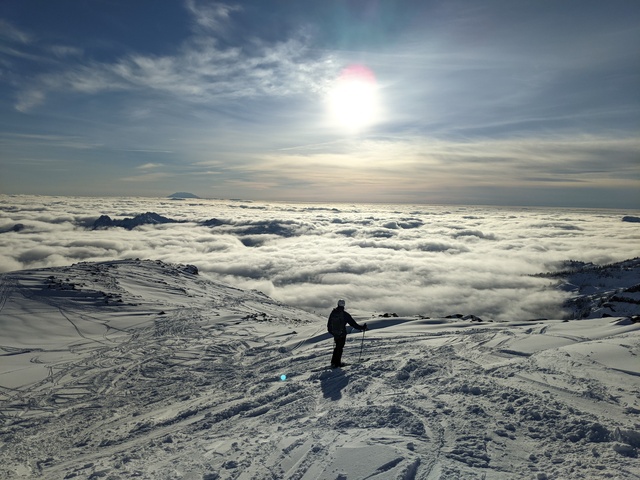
column 146, row 369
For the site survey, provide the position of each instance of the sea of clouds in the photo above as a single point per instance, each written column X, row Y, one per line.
column 404, row 259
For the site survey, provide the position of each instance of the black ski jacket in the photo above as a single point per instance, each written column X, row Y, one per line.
column 337, row 323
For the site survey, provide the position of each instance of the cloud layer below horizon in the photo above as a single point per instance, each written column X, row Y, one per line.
column 410, row 260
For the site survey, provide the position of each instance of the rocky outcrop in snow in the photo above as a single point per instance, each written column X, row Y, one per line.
column 601, row 290
column 149, row 218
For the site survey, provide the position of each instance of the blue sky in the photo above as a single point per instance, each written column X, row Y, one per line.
column 493, row 102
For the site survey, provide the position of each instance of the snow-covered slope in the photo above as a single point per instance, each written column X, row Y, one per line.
column 602, row 290
column 145, row 369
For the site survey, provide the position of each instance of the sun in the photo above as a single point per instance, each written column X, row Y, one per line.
column 353, row 99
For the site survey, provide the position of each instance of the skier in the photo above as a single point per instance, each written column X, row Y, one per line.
column 337, row 326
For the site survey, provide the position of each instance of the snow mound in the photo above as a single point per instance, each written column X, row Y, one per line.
column 146, row 369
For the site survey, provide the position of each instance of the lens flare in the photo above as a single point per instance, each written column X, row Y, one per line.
column 283, row 377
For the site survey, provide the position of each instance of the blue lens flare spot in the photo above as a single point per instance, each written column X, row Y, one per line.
column 283, row 377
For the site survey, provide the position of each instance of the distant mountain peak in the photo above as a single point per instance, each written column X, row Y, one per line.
column 183, row 195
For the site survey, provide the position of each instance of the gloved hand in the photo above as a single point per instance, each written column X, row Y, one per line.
column 365, row 328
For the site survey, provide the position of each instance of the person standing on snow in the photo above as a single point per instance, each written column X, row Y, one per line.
column 337, row 326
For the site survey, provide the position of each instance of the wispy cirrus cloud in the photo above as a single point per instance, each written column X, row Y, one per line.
column 211, row 16
column 146, row 177
column 12, row 140
column 201, row 69
column 398, row 169
column 12, row 33
column 64, row 51
column 203, row 72
column 149, row 166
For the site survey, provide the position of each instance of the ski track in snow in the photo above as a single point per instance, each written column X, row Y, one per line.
column 142, row 369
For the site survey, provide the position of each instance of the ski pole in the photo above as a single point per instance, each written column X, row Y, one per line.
column 361, row 346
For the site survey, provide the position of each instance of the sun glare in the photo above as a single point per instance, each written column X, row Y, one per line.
column 353, row 99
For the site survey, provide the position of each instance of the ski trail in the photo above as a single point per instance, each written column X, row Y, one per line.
column 6, row 286
column 75, row 327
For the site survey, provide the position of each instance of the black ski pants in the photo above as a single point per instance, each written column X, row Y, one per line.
column 336, row 359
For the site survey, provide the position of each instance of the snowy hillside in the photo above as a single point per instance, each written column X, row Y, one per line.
column 602, row 290
column 143, row 369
